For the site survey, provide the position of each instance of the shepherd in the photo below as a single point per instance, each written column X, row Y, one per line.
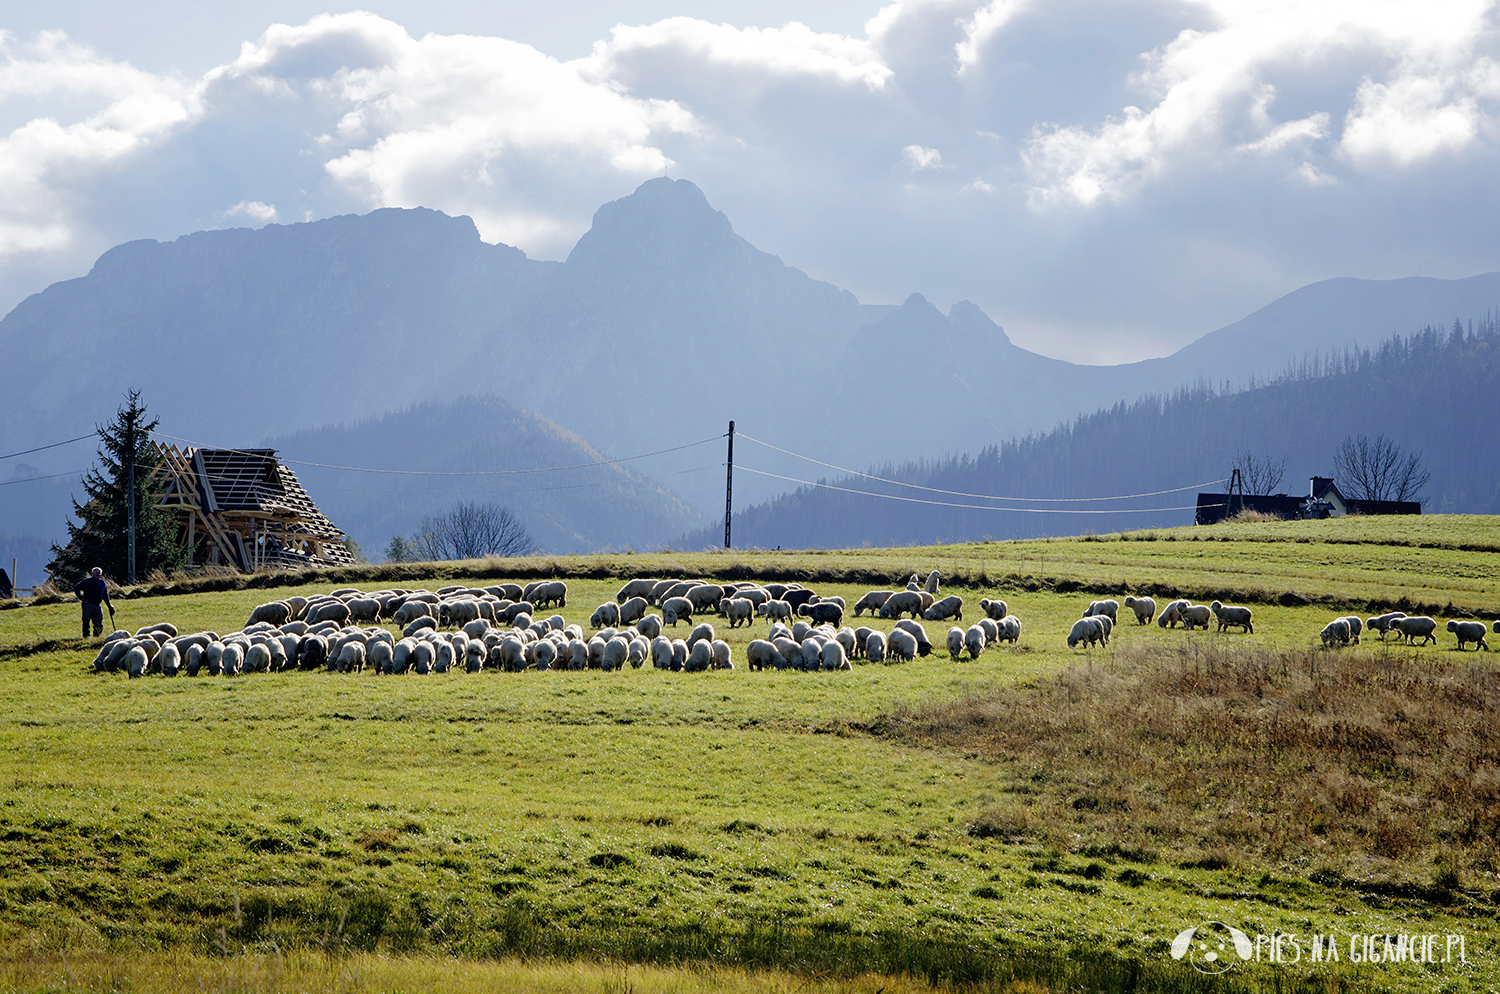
column 93, row 592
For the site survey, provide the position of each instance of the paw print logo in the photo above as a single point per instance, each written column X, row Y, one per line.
column 1212, row 947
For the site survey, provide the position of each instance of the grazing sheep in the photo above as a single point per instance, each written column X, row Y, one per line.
column 790, row 651
column 330, row 611
column 955, row 642
column 679, row 655
column 193, row 660
column 411, row 611
column 991, row 629
column 903, row 644
column 1416, row 628
column 474, row 657
column 1239, row 617
column 1144, row 608
column 1336, row 632
column 700, row 658
column 704, row 596
column 169, row 660
column 975, row 640
column 422, row 655
column 458, row 612
column 578, row 654
column 1469, row 631
column 352, row 657
column 1196, row 616
column 759, row 654
column 924, row 644
column 635, row 588
column 775, row 610
column 233, row 661
column 276, row 613
column 616, row 653
column 675, row 609
column 640, row 651
column 476, row 628
column 875, row 647
column 823, row 613
column 545, row 655
column 902, row 602
column 607, row 615
column 755, row 595
column 1355, row 627
column 738, row 610
column 257, row 659
column 833, row 656
column 994, row 610
column 426, row 621
column 661, row 652
column 401, row 655
column 633, row 610
column 362, row 609
column 379, row 655
column 948, row 607
column 871, row 602
column 511, row 613
column 312, row 652
column 659, row 591
column 845, row 637
column 1086, row 630
column 649, row 626
column 1110, row 609
column 1171, row 615
column 931, row 586
column 135, row 662
column 701, row 631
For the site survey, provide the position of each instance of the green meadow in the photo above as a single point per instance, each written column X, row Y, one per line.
column 1037, row 819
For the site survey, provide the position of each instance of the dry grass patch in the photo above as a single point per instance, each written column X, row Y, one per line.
column 1361, row 761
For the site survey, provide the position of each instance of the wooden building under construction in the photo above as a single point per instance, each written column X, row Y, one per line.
column 243, row 508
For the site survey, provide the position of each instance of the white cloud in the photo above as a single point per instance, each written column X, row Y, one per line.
column 1208, row 83
column 44, row 163
column 978, row 186
column 984, row 25
column 254, row 210
column 917, row 158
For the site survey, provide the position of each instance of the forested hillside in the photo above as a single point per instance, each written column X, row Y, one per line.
column 482, row 450
column 1436, row 393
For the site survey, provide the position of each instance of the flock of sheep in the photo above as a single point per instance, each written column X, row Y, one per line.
column 496, row 628
column 1413, row 630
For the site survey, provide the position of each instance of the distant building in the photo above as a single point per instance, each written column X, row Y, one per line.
column 245, row 509
column 1323, row 501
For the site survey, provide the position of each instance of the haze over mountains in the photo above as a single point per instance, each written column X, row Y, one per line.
column 660, row 327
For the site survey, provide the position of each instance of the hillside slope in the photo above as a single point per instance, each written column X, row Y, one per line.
column 1433, row 393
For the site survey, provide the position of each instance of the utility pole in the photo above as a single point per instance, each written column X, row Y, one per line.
column 729, row 486
column 130, row 499
column 1236, row 482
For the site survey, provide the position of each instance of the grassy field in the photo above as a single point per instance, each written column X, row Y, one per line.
column 763, row 831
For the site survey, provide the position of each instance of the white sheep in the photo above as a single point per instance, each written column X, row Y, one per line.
column 1110, row 609
column 1239, row 617
column 635, row 588
column 233, row 659
column 675, row 609
column 607, row 615
column 545, row 654
column 994, row 610
column 1196, row 616
column 790, row 652
column 1336, row 632
column 948, row 607
column 700, row 658
column 833, row 656
column 1469, row 631
column 903, row 644
column 875, row 647
column 1171, row 615
column 902, row 602
column 931, row 586
column 723, row 659
column 258, row 658
column 1420, row 627
column 578, row 654
column 616, row 654
column 1085, row 631
column 845, row 638
column 633, row 610
column 955, row 642
column 871, row 601
column 701, row 631
column 640, row 651
column 1355, row 627
column 679, row 655
column 738, row 610
column 974, row 640
column 649, row 626
column 775, row 610
column 378, row 656
column 1144, row 608
column 169, row 660
column 924, row 644
column 135, row 661
column 759, row 654
column 661, row 652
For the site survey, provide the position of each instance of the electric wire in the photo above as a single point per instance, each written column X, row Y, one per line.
column 33, row 479
column 54, row 445
column 959, row 493
column 423, row 472
column 972, row 507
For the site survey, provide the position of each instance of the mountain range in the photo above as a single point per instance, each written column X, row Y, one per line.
column 660, row 327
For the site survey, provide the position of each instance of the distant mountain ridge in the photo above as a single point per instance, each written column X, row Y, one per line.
column 661, row 326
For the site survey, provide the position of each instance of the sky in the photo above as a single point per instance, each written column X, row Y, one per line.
column 1107, row 179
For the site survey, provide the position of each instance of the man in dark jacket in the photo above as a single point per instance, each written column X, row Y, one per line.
column 91, row 590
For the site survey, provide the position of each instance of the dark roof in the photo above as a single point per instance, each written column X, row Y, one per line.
column 255, row 480
column 1217, row 507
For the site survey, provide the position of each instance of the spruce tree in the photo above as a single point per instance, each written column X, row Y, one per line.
column 101, row 535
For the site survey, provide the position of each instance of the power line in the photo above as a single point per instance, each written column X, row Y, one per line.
column 11, row 483
column 973, row 507
column 959, row 493
column 54, row 445
column 424, row 472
